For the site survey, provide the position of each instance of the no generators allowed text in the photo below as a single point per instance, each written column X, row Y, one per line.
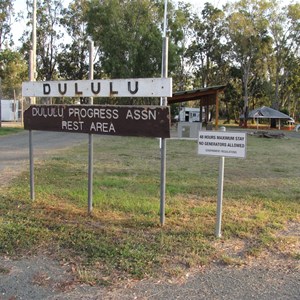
column 220, row 143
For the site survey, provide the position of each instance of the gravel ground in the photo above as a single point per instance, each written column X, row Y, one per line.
column 14, row 149
column 41, row 277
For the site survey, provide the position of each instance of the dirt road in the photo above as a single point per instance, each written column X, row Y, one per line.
column 14, row 149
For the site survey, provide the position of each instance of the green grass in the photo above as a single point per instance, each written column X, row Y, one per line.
column 9, row 130
column 123, row 237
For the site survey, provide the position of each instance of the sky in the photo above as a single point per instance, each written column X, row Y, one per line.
column 200, row 3
column 20, row 5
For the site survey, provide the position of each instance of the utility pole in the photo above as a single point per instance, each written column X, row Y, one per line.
column 32, row 77
column 32, row 56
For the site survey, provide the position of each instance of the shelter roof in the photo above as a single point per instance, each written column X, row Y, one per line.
column 268, row 113
column 197, row 94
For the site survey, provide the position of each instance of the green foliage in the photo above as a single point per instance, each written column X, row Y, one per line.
column 6, row 13
column 247, row 25
column 49, row 38
column 207, row 46
column 9, row 130
column 13, row 70
column 285, row 32
column 73, row 60
column 251, row 45
column 180, row 24
column 128, row 37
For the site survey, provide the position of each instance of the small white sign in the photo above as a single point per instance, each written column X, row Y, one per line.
column 135, row 87
column 222, row 143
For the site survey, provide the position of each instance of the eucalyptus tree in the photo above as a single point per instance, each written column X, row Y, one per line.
column 12, row 65
column 49, row 37
column 73, row 57
column 247, row 35
column 285, row 32
column 180, row 23
column 13, row 70
column 290, row 92
column 127, row 35
column 6, row 14
column 208, row 50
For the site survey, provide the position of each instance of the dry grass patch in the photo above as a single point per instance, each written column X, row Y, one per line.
column 123, row 238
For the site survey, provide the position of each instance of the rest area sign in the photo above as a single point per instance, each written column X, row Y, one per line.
column 135, row 87
column 222, row 143
column 144, row 121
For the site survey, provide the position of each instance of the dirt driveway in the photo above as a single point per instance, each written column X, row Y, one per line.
column 14, row 149
column 41, row 277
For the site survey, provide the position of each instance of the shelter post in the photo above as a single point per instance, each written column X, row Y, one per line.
column 217, row 110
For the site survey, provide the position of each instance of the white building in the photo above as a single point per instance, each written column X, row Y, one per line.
column 189, row 114
column 9, row 110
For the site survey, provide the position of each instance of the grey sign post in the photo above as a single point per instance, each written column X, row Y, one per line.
column 163, row 102
column 31, row 166
column 222, row 144
column 220, row 193
column 91, row 139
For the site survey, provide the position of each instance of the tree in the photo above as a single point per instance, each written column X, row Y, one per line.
column 207, row 50
column 128, row 37
column 6, row 12
column 49, row 37
column 232, row 101
column 180, row 32
column 73, row 59
column 247, row 34
column 13, row 70
column 291, row 91
column 285, row 32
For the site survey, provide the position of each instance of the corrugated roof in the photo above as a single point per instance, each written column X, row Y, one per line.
column 267, row 113
column 195, row 94
column 202, row 90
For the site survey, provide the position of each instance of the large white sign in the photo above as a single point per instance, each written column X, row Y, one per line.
column 137, row 87
column 220, row 143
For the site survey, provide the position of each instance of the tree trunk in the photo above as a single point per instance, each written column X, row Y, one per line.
column 246, row 104
column 275, row 102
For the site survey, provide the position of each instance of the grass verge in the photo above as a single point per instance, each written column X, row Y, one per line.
column 123, row 237
column 9, row 130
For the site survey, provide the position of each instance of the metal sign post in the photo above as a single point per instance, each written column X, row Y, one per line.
column 31, row 163
column 91, row 139
column 163, row 102
column 220, row 193
column 222, row 144
column 0, row 102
